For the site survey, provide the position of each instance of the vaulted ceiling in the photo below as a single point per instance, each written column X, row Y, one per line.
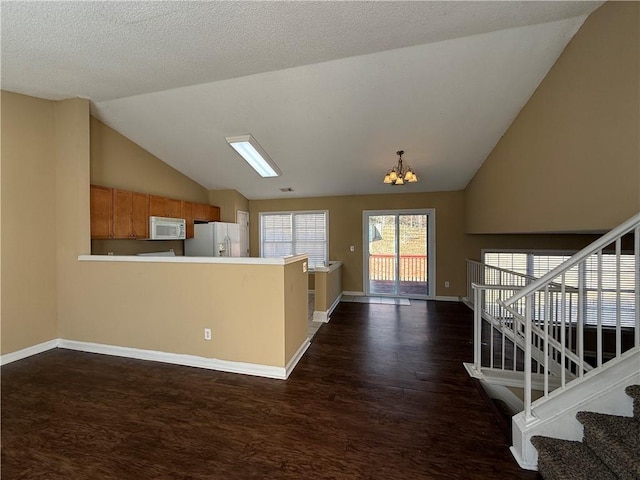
column 330, row 89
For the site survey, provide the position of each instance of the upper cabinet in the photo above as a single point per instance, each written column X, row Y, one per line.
column 201, row 212
column 214, row 213
column 130, row 214
column 198, row 212
column 206, row 213
column 187, row 214
column 101, row 212
column 122, row 214
column 140, row 215
column 165, row 207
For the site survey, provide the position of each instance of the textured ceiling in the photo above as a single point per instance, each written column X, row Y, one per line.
column 330, row 89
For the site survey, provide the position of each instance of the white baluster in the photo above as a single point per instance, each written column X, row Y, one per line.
column 563, row 333
column 599, row 314
column 527, row 358
column 618, row 300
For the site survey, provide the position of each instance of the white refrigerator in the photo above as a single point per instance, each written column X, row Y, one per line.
column 214, row 239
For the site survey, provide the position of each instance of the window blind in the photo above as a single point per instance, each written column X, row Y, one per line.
column 538, row 264
column 295, row 233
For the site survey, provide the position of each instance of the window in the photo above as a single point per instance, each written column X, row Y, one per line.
column 540, row 263
column 295, row 233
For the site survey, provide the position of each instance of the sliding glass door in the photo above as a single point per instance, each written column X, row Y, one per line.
column 399, row 244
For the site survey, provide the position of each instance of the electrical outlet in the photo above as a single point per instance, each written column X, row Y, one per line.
column 446, row 284
column 207, row 334
column 352, row 248
column 304, row 267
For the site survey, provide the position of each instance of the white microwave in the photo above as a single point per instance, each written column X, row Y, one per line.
column 165, row 228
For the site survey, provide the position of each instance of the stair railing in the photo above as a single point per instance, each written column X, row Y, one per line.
column 482, row 274
column 499, row 337
column 585, row 267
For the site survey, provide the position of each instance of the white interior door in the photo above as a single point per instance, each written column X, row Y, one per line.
column 242, row 219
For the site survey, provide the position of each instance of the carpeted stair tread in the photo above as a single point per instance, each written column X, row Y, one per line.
column 615, row 439
column 634, row 392
column 568, row 460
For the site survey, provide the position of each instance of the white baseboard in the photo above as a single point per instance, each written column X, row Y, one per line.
column 296, row 357
column 521, row 463
column 445, row 298
column 29, row 351
column 324, row 317
column 440, row 298
column 178, row 359
column 164, row 357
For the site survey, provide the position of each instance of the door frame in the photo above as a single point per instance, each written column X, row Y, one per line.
column 431, row 249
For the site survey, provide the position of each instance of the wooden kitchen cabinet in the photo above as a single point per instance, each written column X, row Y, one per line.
column 187, row 214
column 119, row 213
column 206, row 213
column 101, row 212
column 130, row 214
column 140, row 215
column 173, row 208
column 164, row 207
column 214, row 214
column 156, row 206
column 201, row 212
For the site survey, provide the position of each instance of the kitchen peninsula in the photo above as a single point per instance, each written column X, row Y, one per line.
column 157, row 308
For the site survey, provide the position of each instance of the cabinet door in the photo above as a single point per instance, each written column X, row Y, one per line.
column 214, row 214
column 187, row 214
column 173, row 208
column 101, row 212
column 156, row 206
column 140, row 215
column 122, row 213
column 201, row 212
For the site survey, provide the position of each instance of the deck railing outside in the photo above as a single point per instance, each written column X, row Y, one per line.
column 413, row 268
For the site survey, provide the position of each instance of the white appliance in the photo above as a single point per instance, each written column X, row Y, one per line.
column 164, row 228
column 214, row 239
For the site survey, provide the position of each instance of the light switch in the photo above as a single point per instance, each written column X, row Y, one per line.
column 352, row 248
column 304, row 267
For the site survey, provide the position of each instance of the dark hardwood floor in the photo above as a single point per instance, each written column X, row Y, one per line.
column 380, row 394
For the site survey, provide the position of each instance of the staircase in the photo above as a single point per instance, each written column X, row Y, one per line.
column 610, row 448
column 571, row 341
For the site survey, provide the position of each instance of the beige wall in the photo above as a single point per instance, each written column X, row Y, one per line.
column 166, row 307
column 570, row 161
column 296, row 308
column 345, row 229
column 118, row 162
column 229, row 201
column 328, row 289
column 72, row 202
column 28, row 204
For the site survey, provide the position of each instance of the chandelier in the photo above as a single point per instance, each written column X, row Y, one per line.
column 400, row 174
